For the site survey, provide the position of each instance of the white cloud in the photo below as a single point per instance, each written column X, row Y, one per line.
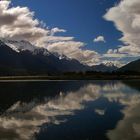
column 56, row 30
column 114, row 53
column 19, row 23
column 126, row 17
column 121, row 56
column 73, row 49
column 99, row 39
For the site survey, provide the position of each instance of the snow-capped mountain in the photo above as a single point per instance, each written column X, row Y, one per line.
column 22, row 45
column 109, row 64
column 24, row 58
column 105, row 67
column 42, row 51
column 18, row 45
column 61, row 57
column 21, row 57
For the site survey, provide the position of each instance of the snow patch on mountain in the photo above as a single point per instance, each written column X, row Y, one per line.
column 43, row 51
column 19, row 45
column 110, row 64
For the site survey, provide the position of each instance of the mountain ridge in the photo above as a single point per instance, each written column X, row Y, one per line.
column 131, row 67
column 104, row 67
column 39, row 61
column 23, row 58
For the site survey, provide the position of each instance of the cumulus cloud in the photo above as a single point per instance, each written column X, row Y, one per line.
column 19, row 23
column 99, row 39
column 56, row 30
column 73, row 49
column 126, row 17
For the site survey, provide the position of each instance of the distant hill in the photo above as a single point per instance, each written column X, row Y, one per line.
column 133, row 66
column 108, row 67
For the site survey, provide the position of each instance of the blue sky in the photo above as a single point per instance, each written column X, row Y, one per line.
column 82, row 19
column 91, row 31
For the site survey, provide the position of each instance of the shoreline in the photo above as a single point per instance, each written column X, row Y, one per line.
column 68, row 78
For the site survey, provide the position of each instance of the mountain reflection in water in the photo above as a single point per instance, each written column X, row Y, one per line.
column 72, row 110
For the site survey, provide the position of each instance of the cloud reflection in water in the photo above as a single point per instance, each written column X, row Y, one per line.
column 23, row 120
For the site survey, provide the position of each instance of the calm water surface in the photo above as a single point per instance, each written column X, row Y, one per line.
column 70, row 110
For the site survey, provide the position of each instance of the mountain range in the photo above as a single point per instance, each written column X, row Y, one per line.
column 105, row 67
column 23, row 58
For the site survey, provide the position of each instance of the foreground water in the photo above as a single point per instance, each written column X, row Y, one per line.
column 70, row 110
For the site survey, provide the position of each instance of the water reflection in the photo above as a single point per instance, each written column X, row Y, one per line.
column 77, row 110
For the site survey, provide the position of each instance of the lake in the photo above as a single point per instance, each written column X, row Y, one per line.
column 70, row 110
